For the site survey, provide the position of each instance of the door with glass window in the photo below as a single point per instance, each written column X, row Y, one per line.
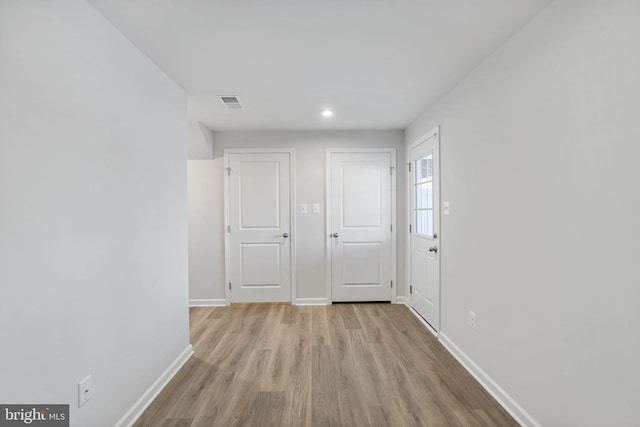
column 424, row 182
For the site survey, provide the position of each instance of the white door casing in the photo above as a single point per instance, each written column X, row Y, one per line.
column 360, row 222
column 424, row 220
column 259, row 226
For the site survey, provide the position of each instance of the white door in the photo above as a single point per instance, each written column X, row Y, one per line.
column 424, row 260
column 259, row 227
column 360, row 226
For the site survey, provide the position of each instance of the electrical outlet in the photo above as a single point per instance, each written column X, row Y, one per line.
column 472, row 319
column 316, row 208
column 85, row 390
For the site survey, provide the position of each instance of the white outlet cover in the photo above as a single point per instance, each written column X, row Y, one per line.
column 472, row 319
column 85, row 390
column 316, row 208
column 304, row 208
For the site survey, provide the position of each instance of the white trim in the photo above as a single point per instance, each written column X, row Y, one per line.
column 292, row 213
column 132, row 415
column 327, row 224
column 227, row 240
column 294, row 223
column 424, row 322
column 402, row 300
column 218, row 302
column 498, row 393
column 312, row 301
column 394, row 218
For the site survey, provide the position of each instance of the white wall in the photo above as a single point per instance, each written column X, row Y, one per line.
column 206, row 232
column 199, row 141
column 540, row 153
column 93, row 215
column 310, row 151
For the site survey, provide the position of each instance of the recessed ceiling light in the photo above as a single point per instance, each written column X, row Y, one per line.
column 327, row 113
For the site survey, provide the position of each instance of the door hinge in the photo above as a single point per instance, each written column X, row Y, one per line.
column 410, row 289
column 229, row 285
column 410, row 229
column 391, row 227
column 228, row 229
column 409, row 166
column 229, row 171
column 392, row 283
column 391, row 170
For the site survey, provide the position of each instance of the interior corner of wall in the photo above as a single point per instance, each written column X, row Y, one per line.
column 207, row 135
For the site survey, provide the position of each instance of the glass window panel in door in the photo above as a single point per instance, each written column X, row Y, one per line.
column 424, row 168
column 423, row 195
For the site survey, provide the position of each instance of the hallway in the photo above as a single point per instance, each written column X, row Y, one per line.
column 343, row 364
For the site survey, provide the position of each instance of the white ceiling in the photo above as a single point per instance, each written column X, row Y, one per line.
column 377, row 63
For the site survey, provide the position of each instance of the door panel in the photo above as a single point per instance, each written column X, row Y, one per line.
column 361, row 195
column 424, row 262
column 361, row 249
column 259, row 219
column 260, row 264
column 360, row 264
column 259, row 194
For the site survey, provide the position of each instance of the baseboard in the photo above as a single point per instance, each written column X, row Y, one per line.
column 132, row 415
column 498, row 393
column 402, row 300
column 221, row 302
column 424, row 322
column 312, row 301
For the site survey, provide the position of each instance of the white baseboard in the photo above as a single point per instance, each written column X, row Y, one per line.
column 312, row 301
column 221, row 302
column 498, row 393
column 402, row 300
column 132, row 415
column 424, row 322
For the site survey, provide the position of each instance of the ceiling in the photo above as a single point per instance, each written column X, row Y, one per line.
column 377, row 63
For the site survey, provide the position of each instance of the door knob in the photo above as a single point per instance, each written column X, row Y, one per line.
column 335, row 235
column 285, row 235
column 433, row 249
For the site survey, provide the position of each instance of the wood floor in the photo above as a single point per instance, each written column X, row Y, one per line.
column 337, row 365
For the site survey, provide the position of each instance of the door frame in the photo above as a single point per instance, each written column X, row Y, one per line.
column 433, row 133
column 394, row 221
column 292, row 210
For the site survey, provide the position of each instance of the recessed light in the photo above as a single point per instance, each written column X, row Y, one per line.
column 327, row 113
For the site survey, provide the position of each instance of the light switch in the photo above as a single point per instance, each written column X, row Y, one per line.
column 304, row 208
column 445, row 208
column 85, row 390
column 316, row 208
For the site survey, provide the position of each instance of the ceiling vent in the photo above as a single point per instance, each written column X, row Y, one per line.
column 231, row 102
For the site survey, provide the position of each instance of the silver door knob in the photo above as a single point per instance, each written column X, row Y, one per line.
column 285, row 235
column 433, row 249
column 335, row 235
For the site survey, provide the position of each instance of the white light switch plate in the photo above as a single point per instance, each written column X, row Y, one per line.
column 316, row 208
column 445, row 208
column 85, row 390
column 304, row 208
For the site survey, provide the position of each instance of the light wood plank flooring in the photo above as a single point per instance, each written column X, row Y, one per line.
column 338, row 365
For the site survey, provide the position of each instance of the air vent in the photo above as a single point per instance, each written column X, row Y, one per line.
column 231, row 102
